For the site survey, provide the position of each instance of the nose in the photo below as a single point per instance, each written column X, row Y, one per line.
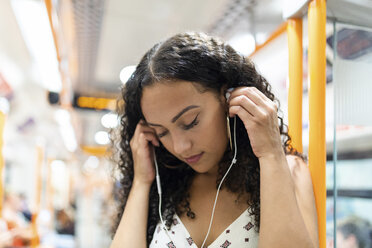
column 182, row 145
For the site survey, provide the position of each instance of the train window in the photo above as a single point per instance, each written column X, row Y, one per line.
column 349, row 166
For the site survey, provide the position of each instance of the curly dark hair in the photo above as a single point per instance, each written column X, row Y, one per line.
column 210, row 63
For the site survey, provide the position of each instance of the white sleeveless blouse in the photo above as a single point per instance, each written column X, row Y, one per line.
column 241, row 233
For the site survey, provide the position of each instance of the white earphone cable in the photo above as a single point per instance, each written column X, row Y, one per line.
column 219, row 186
column 159, row 193
column 215, row 201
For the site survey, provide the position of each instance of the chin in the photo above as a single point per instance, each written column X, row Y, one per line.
column 203, row 169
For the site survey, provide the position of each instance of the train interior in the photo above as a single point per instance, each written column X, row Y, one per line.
column 63, row 63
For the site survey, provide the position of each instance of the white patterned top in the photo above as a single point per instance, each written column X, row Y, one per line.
column 239, row 234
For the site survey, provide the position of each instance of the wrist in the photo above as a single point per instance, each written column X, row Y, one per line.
column 137, row 183
column 272, row 156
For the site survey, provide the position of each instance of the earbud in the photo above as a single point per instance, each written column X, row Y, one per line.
column 158, row 184
column 228, row 93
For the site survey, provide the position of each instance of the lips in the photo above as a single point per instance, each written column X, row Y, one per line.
column 194, row 159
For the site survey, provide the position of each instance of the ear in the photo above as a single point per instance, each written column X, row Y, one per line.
column 223, row 89
column 222, row 97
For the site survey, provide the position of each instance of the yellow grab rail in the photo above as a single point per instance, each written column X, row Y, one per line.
column 294, row 34
column 317, row 87
column 35, row 241
column 279, row 31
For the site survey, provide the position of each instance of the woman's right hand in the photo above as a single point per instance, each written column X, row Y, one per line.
column 142, row 143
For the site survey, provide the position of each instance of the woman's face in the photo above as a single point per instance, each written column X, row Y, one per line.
column 191, row 125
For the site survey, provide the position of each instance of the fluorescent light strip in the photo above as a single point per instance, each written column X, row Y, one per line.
column 32, row 18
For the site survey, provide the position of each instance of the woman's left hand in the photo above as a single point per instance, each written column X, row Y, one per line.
column 259, row 115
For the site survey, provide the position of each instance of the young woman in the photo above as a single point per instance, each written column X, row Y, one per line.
column 181, row 103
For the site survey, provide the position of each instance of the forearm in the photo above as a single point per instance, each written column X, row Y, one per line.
column 281, row 223
column 132, row 229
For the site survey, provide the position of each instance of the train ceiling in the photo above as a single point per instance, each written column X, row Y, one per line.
column 97, row 38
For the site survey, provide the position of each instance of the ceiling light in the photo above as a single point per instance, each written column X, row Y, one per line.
column 58, row 164
column 261, row 37
column 243, row 43
column 91, row 163
column 33, row 21
column 110, row 120
column 126, row 72
column 59, row 174
column 62, row 117
column 102, row 138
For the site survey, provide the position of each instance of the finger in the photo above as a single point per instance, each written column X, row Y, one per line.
column 251, row 93
column 140, row 128
column 261, row 94
column 143, row 127
column 146, row 137
column 259, row 98
column 147, row 128
column 242, row 113
column 136, row 132
column 272, row 104
column 247, row 104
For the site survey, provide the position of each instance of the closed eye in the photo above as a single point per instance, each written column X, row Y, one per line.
column 186, row 127
column 192, row 124
column 160, row 135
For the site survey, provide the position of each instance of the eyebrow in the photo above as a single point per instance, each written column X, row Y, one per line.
column 175, row 118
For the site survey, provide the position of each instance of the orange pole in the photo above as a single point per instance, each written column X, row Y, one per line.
column 49, row 186
column 279, row 31
column 40, row 157
column 294, row 34
column 65, row 92
column 317, row 87
column 48, row 5
column 2, row 164
column 49, row 190
column 96, row 150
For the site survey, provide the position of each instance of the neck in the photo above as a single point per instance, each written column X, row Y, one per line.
column 206, row 180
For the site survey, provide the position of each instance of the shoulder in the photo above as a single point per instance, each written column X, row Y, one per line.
column 299, row 170
column 296, row 165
